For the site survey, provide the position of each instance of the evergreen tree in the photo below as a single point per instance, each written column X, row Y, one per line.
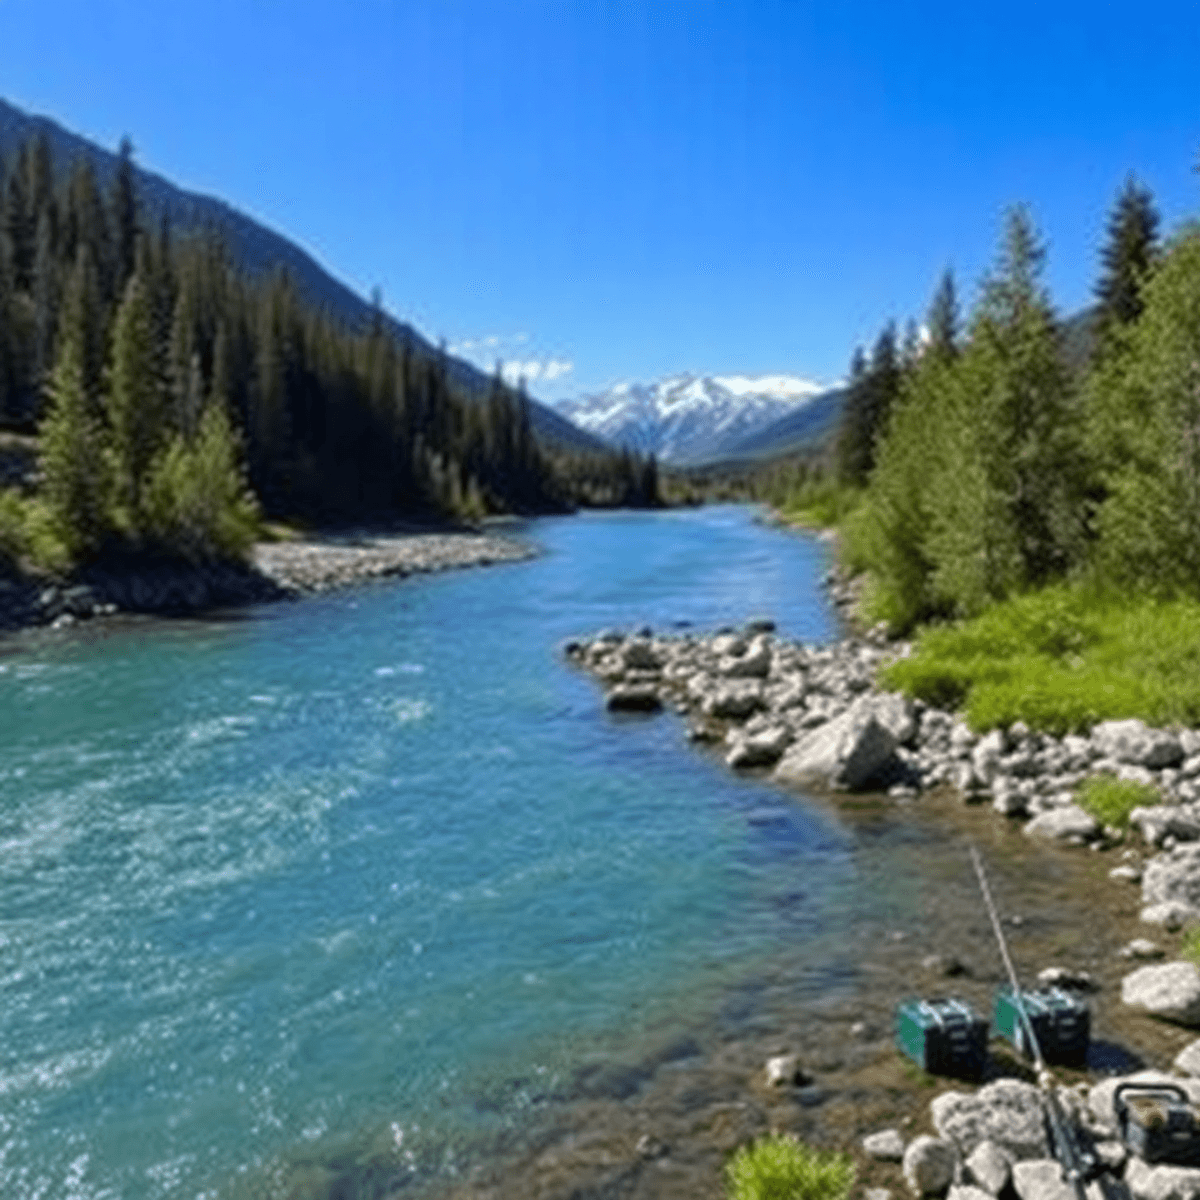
column 81, row 320
column 124, row 210
column 1127, row 256
column 135, row 408
column 74, row 479
column 943, row 319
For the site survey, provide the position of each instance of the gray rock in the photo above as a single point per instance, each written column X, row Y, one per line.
column 877, row 1194
column 1161, row 1182
column 1140, row 948
column 1041, row 1179
column 759, row 749
column 1170, row 914
column 887, row 1145
column 1006, row 1112
column 1007, row 800
column 1068, row 822
column 895, row 713
column 1171, row 991
column 989, row 1167
column 634, row 697
column 1187, row 1060
column 966, row 1191
column 1134, row 742
column 784, row 1070
column 985, row 757
column 1174, row 875
column 929, row 1165
column 847, row 752
column 1062, row 977
column 735, row 700
column 1158, row 821
column 639, row 654
column 755, row 663
column 1189, row 739
column 1126, row 873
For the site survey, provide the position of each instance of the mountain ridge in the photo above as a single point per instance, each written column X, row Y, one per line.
column 258, row 250
column 687, row 419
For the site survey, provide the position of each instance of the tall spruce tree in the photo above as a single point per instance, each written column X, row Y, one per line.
column 1127, row 255
column 124, row 208
column 73, row 462
column 135, row 400
column 944, row 319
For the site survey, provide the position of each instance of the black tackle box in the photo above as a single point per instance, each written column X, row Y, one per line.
column 943, row 1036
column 1062, row 1024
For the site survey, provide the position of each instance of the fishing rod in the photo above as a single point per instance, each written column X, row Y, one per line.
column 1078, row 1164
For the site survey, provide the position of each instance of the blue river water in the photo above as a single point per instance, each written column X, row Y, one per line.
column 323, row 874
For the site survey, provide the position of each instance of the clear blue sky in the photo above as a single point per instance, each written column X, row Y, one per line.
column 628, row 190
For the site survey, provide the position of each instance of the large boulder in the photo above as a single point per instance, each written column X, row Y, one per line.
column 755, row 663
column 1173, row 877
column 1155, row 821
column 1041, row 1179
column 847, row 752
column 1007, row 1112
column 1161, row 1182
column 759, row 749
column 1171, row 991
column 929, row 1165
column 1134, row 742
column 1070, row 821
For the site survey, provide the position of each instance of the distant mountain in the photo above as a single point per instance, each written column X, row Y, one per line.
column 688, row 419
column 258, row 250
column 801, row 429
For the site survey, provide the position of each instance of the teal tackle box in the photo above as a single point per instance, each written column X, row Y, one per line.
column 943, row 1036
column 1062, row 1024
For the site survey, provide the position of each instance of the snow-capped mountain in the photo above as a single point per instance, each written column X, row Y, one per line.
column 687, row 418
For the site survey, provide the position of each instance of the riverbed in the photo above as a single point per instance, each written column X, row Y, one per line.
column 368, row 895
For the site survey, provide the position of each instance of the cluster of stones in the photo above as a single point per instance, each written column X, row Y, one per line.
column 316, row 566
column 995, row 1139
column 813, row 716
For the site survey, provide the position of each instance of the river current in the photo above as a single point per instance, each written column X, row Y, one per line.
column 342, row 876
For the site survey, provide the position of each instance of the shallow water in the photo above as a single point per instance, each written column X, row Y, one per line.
column 336, row 872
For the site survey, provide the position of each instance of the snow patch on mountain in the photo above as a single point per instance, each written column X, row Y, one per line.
column 689, row 418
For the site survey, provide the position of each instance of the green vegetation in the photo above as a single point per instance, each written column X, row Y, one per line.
column 778, row 1167
column 177, row 402
column 1062, row 659
column 1190, row 944
column 1111, row 800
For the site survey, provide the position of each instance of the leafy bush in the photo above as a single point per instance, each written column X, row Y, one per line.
column 1111, row 800
column 822, row 503
column 196, row 501
column 778, row 1167
column 1062, row 659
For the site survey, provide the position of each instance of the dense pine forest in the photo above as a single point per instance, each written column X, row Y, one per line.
column 177, row 402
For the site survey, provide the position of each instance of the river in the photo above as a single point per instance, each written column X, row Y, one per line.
column 341, row 877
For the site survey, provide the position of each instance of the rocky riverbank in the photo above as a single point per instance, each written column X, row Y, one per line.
column 276, row 570
column 813, row 718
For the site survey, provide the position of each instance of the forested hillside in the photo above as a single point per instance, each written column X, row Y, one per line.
column 1036, row 486
column 176, row 399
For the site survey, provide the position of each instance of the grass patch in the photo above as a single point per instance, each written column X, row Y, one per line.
column 1189, row 946
column 822, row 504
column 1111, row 800
column 1061, row 660
column 778, row 1167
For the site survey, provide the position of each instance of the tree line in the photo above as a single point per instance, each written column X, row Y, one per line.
column 977, row 460
column 178, row 401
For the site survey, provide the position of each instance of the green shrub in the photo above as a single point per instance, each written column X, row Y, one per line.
column 1111, row 800
column 1062, row 659
column 822, row 503
column 13, row 537
column 778, row 1167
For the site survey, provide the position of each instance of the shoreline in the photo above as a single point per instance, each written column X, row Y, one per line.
column 281, row 570
column 811, row 722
